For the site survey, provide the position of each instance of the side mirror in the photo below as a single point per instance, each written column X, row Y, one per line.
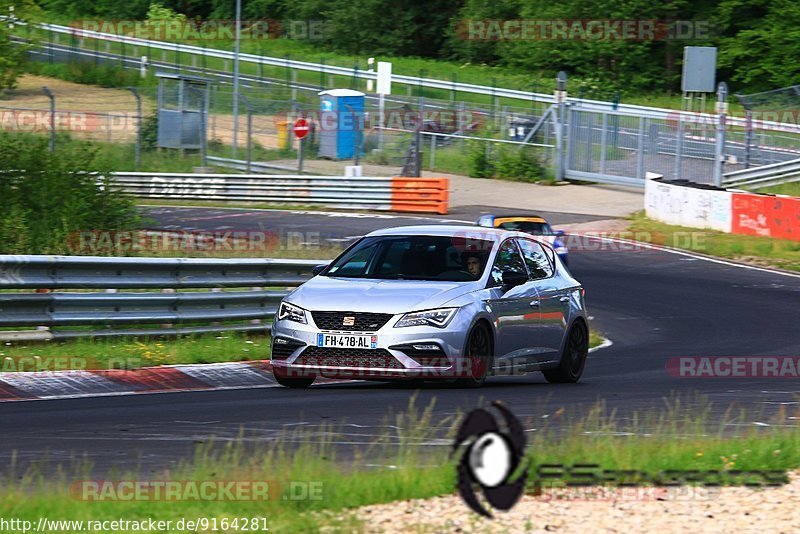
column 315, row 270
column 559, row 233
column 514, row 279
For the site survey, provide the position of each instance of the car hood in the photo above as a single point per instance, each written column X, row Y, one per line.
column 323, row 293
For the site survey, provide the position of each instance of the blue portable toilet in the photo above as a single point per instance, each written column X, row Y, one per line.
column 341, row 123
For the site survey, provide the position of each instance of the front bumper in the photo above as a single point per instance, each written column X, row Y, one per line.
column 394, row 356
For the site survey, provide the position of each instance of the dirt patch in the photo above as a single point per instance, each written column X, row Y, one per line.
column 683, row 509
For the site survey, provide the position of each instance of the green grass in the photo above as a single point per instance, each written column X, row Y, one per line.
column 765, row 251
column 675, row 437
column 791, row 189
column 132, row 353
column 595, row 338
column 129, row 353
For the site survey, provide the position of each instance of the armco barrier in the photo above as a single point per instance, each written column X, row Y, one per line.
column 424, row 195
column 766, row 215
column 737, row 212
column 258, row 286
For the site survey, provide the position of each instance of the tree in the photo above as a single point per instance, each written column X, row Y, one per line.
column 13, row 56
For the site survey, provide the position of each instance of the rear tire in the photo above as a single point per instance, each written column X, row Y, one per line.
column 573, row 358
column 294, row 383
column 479, row 356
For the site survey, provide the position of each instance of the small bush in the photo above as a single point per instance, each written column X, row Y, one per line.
column 48, row 196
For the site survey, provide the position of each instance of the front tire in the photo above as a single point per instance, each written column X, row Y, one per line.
column 478, row 355
column 573, row 358
column 292, row 382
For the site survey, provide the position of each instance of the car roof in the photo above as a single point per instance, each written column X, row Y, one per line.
column 468, row 230
column 518, row 217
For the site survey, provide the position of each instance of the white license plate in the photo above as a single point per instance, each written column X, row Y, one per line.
column 343, row 341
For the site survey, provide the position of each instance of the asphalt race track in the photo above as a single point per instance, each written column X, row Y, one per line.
column 652, row 304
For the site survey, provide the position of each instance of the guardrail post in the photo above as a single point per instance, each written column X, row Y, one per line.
column 719, row 146
column 51, row 96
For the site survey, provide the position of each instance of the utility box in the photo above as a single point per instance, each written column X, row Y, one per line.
column 341, row 123
column 182, row 111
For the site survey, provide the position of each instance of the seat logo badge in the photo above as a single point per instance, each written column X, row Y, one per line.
column 348, row 321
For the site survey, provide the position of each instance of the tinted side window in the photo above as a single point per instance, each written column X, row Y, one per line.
column 508, row 259
column 536, row 259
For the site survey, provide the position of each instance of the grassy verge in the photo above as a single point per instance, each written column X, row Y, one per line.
column 109, row 353
column 131, row 353
column 676, row 438
column 765, row 251
column 792, row 189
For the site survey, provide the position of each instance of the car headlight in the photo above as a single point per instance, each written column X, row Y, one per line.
column 292, row 313
column 438, row 318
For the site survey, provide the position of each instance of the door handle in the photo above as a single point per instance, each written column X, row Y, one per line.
column 534, row 304
column 564, row 299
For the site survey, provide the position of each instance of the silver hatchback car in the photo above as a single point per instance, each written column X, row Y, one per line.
column 434, row 303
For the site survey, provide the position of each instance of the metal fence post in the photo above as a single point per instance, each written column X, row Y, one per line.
column 249, row 142
column 603, row 143
column 679, row 148
column 560, row 100
column 640, row 150
column 433, row 152
column 748, row 137
column 51, row 96
column 719, row 146
column 138, row 149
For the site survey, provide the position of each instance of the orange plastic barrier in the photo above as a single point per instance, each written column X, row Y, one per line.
column 425, row 195
column 766, row 215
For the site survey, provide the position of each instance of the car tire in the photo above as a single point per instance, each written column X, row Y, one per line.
column 291, row 382
column 479, row 353
column 573, row 357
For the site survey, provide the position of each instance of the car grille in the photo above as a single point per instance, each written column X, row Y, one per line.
column 281, row 351
column 362, row 322
column 364, row 358
column 432, row 360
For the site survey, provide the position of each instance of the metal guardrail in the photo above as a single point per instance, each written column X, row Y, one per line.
column 162, row 313
column 428, row 195
column 354, row 193
column 764, row 176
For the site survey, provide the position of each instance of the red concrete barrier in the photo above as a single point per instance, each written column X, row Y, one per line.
column 766, row 215
column 426, row 195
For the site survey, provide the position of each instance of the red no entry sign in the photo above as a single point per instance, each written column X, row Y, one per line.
column 300, row 128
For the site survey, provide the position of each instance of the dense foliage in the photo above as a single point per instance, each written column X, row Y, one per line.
column 757, row 38
column 57, row 194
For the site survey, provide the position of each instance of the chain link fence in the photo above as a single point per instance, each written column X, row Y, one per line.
column 418, row 128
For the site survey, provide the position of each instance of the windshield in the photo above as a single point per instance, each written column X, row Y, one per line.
column 529, row 227
column 440, row 258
